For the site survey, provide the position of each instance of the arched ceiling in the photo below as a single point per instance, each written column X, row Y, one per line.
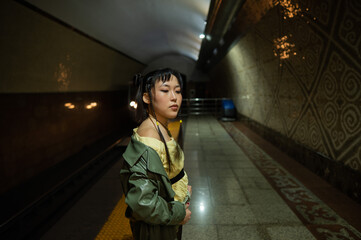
column 143, row 30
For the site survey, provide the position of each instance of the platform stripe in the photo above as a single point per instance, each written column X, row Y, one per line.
column 117, row 226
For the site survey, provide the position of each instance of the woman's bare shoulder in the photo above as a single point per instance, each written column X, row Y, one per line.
column 148, row 130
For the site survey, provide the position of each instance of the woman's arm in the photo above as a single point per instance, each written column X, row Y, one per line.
column 146, row 204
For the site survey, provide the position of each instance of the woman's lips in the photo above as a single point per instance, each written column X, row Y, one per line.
column 174, row 107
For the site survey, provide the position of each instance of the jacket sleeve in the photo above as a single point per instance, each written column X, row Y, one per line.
column 146, row 204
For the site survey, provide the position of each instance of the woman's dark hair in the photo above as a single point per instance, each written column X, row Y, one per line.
column 144, row 84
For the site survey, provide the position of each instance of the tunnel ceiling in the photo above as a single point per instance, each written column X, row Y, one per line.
column 143, row 30
column 149, row 30
column 228, row 21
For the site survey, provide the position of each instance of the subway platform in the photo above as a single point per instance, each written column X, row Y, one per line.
column 243, row 188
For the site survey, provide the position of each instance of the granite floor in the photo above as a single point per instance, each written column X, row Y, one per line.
column 237, row 191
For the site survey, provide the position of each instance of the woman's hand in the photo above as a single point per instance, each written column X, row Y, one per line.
column 187, row 217
column 189, row 187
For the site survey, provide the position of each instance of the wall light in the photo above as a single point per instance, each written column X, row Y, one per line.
column 69, row 105
column 91, row 105
column 133, row 104
column 201, row 36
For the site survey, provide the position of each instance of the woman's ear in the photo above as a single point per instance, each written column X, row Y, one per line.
column 146, row 98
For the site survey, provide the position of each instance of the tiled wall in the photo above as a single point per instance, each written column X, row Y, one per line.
column 43, row 66
column 314, row 96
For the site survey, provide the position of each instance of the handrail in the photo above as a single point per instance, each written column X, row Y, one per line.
column 58, row 185
column 207, row 99
column 202, row 106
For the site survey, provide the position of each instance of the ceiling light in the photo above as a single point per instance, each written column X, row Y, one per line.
column 201, row 36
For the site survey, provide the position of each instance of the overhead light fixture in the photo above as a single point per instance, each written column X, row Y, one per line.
column 201, row 36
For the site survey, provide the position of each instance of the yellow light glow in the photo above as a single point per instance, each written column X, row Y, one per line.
column 282, row 48
column 89, row 106
column 290, row 9
column 94, row 104
column 69, row 105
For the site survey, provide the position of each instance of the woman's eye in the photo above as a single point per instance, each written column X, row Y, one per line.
column 179, row 92
column 165, row 91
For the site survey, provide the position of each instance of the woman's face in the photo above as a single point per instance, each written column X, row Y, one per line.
column 166, row 99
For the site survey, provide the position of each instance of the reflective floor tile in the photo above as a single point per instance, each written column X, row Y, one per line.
column 235, row 214
column 228, row 197
column 215, row 164
column 198, row 182
column 259, row 183
column 199, row 232
column 202, row 213
column 241, row 163
column 290, row 232
column 275, row 213
column 247, row 172
column 256, row 196
column 224, row 182
column 200, row 194
column 219, row 172
column 239, row 232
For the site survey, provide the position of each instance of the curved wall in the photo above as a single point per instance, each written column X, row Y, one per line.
column 313, row 97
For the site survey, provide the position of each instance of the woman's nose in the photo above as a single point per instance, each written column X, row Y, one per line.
column 173, row 96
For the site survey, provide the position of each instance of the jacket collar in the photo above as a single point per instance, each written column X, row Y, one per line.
column 137, row 149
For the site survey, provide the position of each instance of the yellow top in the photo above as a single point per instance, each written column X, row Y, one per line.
column 177, row 163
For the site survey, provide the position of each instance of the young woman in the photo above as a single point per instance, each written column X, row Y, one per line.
column 153, row 179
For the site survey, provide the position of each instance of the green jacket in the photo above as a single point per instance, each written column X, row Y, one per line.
column 149, row 195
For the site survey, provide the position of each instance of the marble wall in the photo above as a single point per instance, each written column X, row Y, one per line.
column 313, row 97
column 60, row 91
